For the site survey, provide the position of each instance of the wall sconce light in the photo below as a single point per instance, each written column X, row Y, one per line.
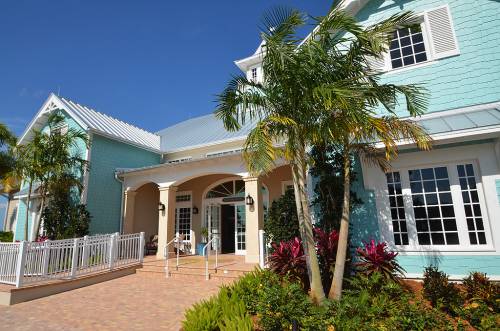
column 161, row 206
column 195, row 210
column 249, row 200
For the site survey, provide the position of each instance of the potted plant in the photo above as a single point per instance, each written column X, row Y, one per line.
column 204, row 240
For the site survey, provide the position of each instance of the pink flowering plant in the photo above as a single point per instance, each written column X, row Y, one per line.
column 376, row 257
column 288, row 259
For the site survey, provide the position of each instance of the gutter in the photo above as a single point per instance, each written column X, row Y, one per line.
column 121, row 181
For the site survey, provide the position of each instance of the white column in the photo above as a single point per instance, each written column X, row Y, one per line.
column 254, row 215
column 166, row 219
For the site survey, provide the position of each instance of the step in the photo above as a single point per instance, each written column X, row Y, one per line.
column 196, row 269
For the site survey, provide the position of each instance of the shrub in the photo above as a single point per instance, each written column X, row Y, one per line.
column 282, row 223
column 288, row 259
column 6, row 236
column 373, row 302
column 478, row 287
column 375, row 257
column 440, row 292
column 226, row 311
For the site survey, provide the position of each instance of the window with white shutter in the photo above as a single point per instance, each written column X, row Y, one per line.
column 431, row 38
column 441, row 32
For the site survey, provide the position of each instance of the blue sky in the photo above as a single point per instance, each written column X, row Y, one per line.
column 151, row 63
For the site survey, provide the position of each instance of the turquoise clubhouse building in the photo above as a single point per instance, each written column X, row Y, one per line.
column 440, row 207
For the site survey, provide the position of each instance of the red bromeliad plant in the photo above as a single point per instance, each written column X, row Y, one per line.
column 288, row 259
column 326, row 247
column 375, row 257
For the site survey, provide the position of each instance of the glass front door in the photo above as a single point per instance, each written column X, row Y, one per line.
column 213, row 221
column 240, row 229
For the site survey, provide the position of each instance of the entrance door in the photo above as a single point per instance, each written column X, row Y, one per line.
column 227, row 228
column 240, row 233
column 213, row 217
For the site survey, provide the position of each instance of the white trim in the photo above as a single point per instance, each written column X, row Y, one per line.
column 185, row 204
column 209, row 144
column 284, row 185
column 456, row 111
column 86, row 175
column 179, row 160
column 486, row 172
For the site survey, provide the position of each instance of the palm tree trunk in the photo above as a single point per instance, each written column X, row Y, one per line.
column 39, row 222
column 338, row 274
column 27, row 211
column 306, row 229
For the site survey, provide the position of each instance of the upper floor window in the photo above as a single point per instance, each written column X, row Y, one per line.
column 431, row 37
column 254, row 74
column 60, row 129
column 407, row 47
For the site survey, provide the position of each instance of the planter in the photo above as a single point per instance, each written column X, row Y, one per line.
column 199, row 249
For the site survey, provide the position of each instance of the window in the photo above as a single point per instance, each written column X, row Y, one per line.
column 437, row 206
column 472, row 207
column 183, row 159
column 183, row 197
column 60, row 129
column 287, row 186
column 254, row 74
column 433, row 206
column 407, row 47
column 397, row 207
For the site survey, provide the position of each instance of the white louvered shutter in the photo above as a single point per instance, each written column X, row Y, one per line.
column 441, row 31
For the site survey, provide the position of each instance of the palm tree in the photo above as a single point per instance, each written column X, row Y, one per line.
column 315, row 92
column 46, row 158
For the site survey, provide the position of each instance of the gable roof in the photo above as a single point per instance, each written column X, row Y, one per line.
column 94, row 122
column 200, row 131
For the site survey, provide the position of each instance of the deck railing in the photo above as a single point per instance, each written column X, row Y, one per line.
column 32, row 262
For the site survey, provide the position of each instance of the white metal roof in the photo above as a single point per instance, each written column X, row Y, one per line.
column 95, row 122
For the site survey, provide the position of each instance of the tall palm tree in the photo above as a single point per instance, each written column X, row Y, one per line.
column 319, row 91
column 7, row 142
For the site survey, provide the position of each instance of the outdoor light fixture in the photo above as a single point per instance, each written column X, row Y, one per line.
column 161, row 206
column 249, row 200
column 195, row 210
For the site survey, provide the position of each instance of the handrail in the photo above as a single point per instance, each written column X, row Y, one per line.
column 165, row 253
column 206, row 252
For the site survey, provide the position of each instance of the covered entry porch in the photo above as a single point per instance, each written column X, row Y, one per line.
column 200, row 200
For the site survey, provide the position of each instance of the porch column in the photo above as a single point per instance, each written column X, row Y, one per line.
column 254, row 215
column 166, row 219
column 128, row 211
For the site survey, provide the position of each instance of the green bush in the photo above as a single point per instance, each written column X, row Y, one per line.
column 6, row 236
column 282, row 223
column 478, row 287
column 226, row 311
column 440, row 292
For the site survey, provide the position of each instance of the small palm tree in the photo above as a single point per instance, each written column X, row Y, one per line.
column 320, row 91
column 45, row 158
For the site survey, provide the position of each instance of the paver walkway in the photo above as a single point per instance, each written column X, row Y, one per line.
column 136, row 302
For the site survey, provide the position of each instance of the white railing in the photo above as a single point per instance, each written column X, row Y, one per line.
column 32, row 262
column 177, row 240
column 206, row 253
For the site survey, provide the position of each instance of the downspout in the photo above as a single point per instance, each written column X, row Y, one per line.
column 121, row 181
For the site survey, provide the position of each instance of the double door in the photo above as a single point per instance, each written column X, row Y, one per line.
column 227, row 223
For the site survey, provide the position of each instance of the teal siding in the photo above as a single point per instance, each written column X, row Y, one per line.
column 364, row 224
column 80, row 148
column 497, row 182
column 452, row 264
column 467, row 79
column 104, row 191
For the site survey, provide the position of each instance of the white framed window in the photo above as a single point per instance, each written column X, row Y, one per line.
column 61, row 129
column 253, row 74
column 431, row 37
column 183, row 215
column 180, row 160
column 439, row 206
column 286, row 186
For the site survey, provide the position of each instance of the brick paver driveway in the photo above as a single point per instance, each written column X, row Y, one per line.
column 136, row 302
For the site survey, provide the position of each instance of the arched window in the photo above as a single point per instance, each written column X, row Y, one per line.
column 232, row 188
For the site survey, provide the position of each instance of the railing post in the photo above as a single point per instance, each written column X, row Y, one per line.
column 85, row 253
column 178, row 249
column 74, row 258
column 46, row 258
column 261, row 248
column 21, row 261
column 141, row 247
column 112, row 249
column 207, row 276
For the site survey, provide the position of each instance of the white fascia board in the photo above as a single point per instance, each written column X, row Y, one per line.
column 456, row 111
column 247, row 62
column 43, row 110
